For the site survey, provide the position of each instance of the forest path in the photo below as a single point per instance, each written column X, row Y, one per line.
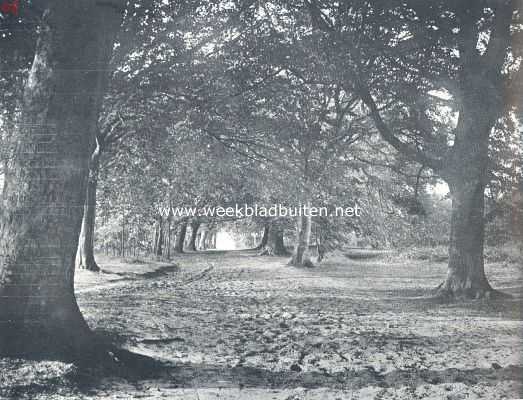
column 234, row 325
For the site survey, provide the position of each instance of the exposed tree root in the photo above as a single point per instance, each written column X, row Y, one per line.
column 90, row 266
column 112, row 361
column 307, row 263
column 446, row 294
column 271, row 251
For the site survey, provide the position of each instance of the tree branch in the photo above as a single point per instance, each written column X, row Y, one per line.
column 387, row 135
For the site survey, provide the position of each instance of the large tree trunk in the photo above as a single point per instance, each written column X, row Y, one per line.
column 274, row 245
column 42, row 211
column 194, row 234
column 466, row 272
column 85, row 252
column 180, row 238
column 466, row 169
column 301, row 257
column 275, row 240
column 466, row 175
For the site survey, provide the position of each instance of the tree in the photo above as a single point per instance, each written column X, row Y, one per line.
column 272, row 242
column 275, row 240
column 180, row 238
column 265, row 236
column 44, row 201
column 415, row 66
column 465, row 165
column 133, row 101
column 85, row 252
column 195, row 225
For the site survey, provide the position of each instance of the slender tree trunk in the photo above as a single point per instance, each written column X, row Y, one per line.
column 212, row 240
column 208, row 237
column 203, row 240
column 180, row 239
column 194, row 234
column 85, row 252
column 42, row 213
column 4, row 173
column 168, row 238
column 300, row 257
column 122, row 243
column 154, row 239
column 211, row 237
column 159, row 238
column 265, row 237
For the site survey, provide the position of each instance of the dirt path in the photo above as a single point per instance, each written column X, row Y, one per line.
column 237, row 326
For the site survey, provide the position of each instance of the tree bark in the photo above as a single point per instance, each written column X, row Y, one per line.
column 212, row 240
column 466, row 273
column 466, row 168
column 85, row 252
column 467, row 175
column 274, row 245
column 208, row 240
column 265, row 237
column 194, row 234
column 180, row 238
column 122, row 242
column 42, row 211
column 159, row 239
column 275, row 240
column 168, row 238
column 203, row 240
column 301, row 257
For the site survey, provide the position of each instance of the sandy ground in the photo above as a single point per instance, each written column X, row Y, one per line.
column 237, row 326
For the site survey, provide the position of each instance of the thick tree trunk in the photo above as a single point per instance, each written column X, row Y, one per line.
column 194, row 234
column 265, row 237
column 466, row 169
column 42, row 212
column 274, row 245
column 300, row 257
column 466, row 272
column 85, row 252
column 275, row 240
column 180, row 238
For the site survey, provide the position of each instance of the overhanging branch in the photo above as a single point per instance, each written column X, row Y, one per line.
column 387, row 135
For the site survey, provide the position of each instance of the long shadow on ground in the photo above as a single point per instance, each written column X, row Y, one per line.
column 140, row 368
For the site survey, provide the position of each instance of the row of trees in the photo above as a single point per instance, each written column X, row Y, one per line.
column 287, row 101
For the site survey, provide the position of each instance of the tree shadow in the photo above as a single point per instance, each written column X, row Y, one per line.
column 113, row 365
column 137, row 368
